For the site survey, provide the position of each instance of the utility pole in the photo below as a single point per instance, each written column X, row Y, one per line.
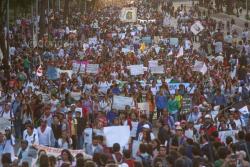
column 8, row 29
column 247, row 15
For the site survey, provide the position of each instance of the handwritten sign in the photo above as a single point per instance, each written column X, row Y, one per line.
column 157, row 70
column 120, row 102
column 117, row 134
column 92, row 68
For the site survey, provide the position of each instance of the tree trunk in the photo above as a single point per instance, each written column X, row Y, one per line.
column 42, row 19
column 2, row 42
column 66, row 11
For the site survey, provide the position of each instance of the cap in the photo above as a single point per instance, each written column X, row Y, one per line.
column 146, row 126
column 178, row 127
column 232, row 109
column 177, row 123
column 208, row 116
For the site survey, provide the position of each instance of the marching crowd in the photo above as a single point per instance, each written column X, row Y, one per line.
column 195, row 117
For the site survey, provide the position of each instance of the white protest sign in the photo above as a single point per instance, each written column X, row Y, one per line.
column 125, row 50
column 157, row 70
column 92, row 68
column 120, row 102
column 144, row 107
column 200, row 66
column 136, row 69
column 4, row 123
column 75, row 95
column 69, row 72
column 79, row 66
column 224, row 134
column 197, row 27
column 152, row 63
column 117, row 134
column 128, row 14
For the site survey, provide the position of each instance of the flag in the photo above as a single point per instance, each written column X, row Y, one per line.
column 204, row 69
column 180, row 53
column 39, row 71
column 170, row 53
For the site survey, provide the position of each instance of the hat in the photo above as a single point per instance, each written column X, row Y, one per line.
column 178, row 127
column 177, row 123
column 208, row 116
column 146, row 126
column 232, row 109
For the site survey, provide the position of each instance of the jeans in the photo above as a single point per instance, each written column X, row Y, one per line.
column 175, row 115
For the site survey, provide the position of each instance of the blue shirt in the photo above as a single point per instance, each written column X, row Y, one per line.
column 161, row 101
column 219, row 100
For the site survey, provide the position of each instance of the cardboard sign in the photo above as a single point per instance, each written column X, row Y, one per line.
column 197, row 27
column 117, row 134
column 136, row 69
column 157, row 70
column 92, row 68
column 128, row 14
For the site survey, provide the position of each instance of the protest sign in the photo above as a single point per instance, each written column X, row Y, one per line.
column 147, row 40
column 200, row 66
column 144, row 108
column 244, row 110
column 52, row 73
column 79, row 66
column 4, row 123
column 57, row 151
column 120, row 102
column 125, row 50
column 92, row 68
column 197, row 27
column 174, row 86
column 224, row 134
column 136, row 69
column 135, row 147
column 68, row 72
column 75, row 95
column 174, row 41
column 117, row 134
column 128, row 14
column 152, row 63
column 157, row 70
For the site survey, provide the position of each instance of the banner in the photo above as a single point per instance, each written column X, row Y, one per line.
column 157, row 70
column 152, row 63
column 128, row 14
column 174, row 41
column 120, row 102
column 92, row 68
column 4, row 123
column 224, row 134
column 197, row 27
column 117, row 134
column 136, row 69
column 69, row 72
column 147, row 40
column 76, row 95
column 174, row 86
column 144, row 108
column 57, row 151
column 93, row 40
column 52, row 73
column 79, row 66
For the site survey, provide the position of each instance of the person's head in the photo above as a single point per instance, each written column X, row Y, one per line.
column 116, row 147
column 56, row 119
column 126, row 154
column 158, row 162
column 43, row 122
column 222, row 152
column 162, row 151
column 6, row 159
column 241, row 135
column 24, row 144
column 43, row 161
column 66, row 155
column 229, row 140
column 52, row 161
column 142, row 148
column 179, row 131
column 25, row 164
column 156, row 144
column 29, row 129
column 79, row 162
column 95, row 140
column 89, row 163
column 78, row 114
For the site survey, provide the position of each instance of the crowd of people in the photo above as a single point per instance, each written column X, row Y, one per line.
column 62, row 90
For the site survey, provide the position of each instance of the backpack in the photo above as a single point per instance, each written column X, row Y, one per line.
column 146, row 161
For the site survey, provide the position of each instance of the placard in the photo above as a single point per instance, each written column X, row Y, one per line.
column 128, row 14
column 143, row 107
column 152, row 63
column 136, row 69
column 120, row 102
column 92, row 68
column 117, row 134
column 157, row 70
column 197, row 27
column 52, row 73
column 224, row 134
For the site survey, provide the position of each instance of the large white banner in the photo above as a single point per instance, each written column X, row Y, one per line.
column 197, row 27
column 157, row 69
column 120, row 102
column 92, row 68
column 136, row 69
column 128, row 14
column 117, row 134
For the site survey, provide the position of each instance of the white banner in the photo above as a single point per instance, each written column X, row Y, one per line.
column 224, row 134
column 197, row 27
column 136, row 69
column 75, row 95
column 157, row 70
column 152, row 63
column 117, row 134
column 120, row 102
column 92, row 68
column 128, row 14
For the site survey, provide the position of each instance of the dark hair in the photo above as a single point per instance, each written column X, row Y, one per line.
column 69, row 154
column 25, row 164
column 138, row 164
column 43, row 161
column 116, row 147
column 241, row 135
column 6, row 158
column 79, row 155
column 196, row 150
column 143, row 148
column 127, row 154
column 229, row 140
column 79, row 162
column 222, row 152
column 65, row 165
column 52, row 161
column 89, row 163
column 100, row 159
column 247, row 137
column 156, row 160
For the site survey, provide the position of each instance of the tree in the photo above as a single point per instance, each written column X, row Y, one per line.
column 5, row 61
